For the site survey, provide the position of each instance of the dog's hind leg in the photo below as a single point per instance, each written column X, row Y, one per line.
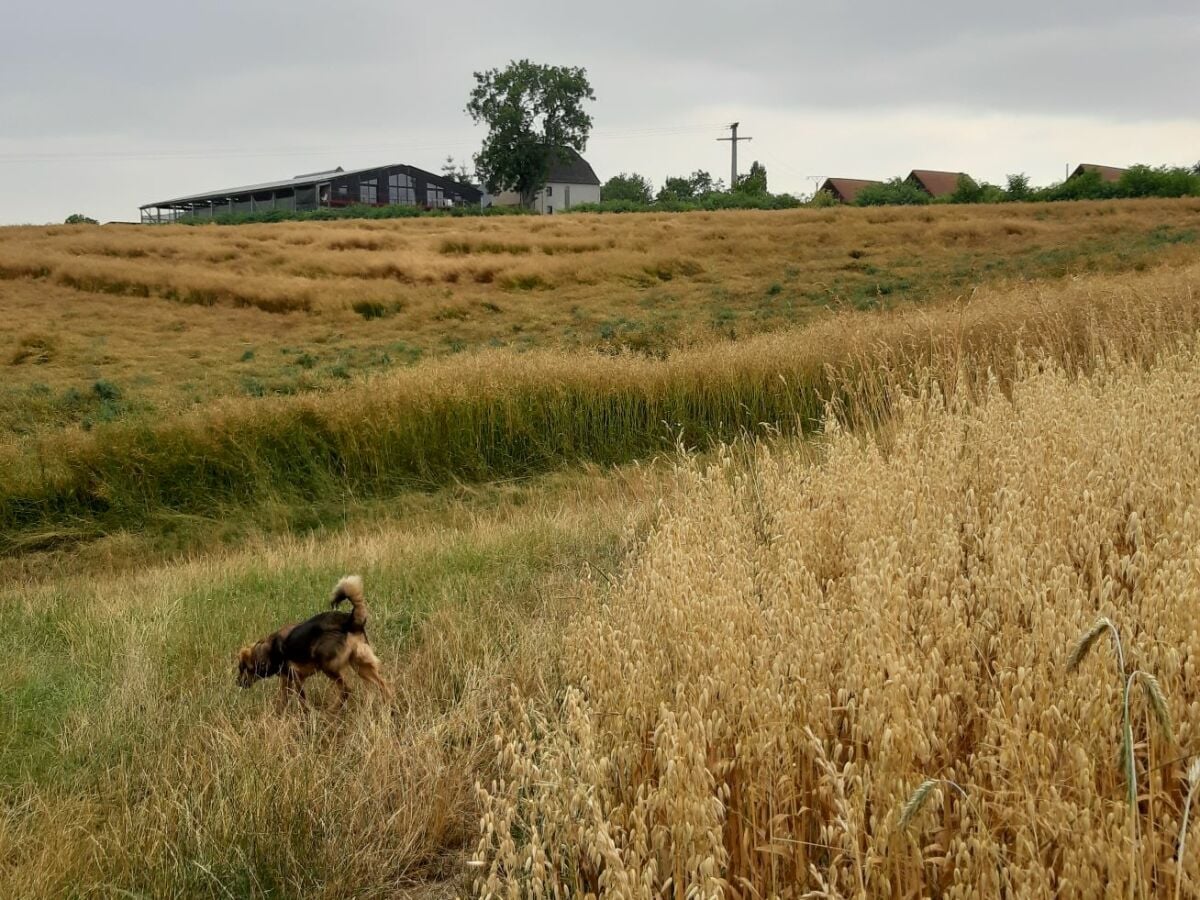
column 366, row 664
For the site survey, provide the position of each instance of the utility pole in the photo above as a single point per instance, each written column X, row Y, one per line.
column 733, row 142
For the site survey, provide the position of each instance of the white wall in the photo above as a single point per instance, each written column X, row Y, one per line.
column 558, row 197
column 553, row 198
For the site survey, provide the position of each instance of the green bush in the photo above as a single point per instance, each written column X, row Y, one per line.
column 1137, row 181
column 1017, row 188
column 893, row 192
column 706, row 203
column 1164, row 181
column 1085, row 186
column 631, row 187
column 822, row 200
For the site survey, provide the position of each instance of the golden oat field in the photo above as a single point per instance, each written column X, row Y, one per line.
column 813, row 553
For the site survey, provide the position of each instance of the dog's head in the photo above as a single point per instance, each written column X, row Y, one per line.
column 253, row 663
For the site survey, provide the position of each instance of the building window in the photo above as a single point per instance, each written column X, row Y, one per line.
column 400, row 190
column 368, row 191
column 549, row 190
column 434, row 196
column 549, row 210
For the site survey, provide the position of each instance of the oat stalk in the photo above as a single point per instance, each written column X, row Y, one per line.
column 1154, row 699
column 1193, row 778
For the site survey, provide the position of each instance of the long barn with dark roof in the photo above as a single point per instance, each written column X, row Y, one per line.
column 393, row 185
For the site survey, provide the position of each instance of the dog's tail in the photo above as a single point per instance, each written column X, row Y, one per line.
column 351, row 588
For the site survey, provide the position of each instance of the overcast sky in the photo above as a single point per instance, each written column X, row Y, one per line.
column 104, row 106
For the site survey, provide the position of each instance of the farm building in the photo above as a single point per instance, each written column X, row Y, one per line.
column 1106, row 173
column 935, row 184
column 844, row 190
column 394, row 185
column 570, row 181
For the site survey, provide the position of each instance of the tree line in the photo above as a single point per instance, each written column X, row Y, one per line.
column 1136, row 181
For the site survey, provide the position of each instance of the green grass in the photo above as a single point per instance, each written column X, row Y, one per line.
column 71, row 656
column 120, row 716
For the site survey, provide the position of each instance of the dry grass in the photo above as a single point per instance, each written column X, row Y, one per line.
column 498, row 414
column 797, row 647
column 178, row 316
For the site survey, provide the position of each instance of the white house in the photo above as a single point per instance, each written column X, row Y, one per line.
column 570, row 182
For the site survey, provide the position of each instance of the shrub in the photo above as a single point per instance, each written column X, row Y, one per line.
column 631, row 187
column 893, row 192
column 707, row 203
column 822, row 200
column 1164, row 181
column 1017, row 188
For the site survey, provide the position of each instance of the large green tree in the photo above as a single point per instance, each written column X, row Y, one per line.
column 533, row 114
column 632, row 187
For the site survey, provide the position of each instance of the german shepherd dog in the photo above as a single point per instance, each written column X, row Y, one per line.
column 329, row 642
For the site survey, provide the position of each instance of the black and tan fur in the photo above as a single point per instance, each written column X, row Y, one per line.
column 330, row 643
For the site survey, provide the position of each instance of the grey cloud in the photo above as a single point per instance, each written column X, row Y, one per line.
column 162, row 78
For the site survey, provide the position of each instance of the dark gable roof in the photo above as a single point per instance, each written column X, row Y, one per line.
column 934, row 183
column 571, row 168
column 846, row 189
column 310, row 178
column 1106, row 173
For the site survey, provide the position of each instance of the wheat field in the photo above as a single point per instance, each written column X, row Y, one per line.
column 811, row 604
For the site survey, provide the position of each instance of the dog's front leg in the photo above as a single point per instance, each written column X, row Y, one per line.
column 284, row 693
column 290, row 683
column 343, row 689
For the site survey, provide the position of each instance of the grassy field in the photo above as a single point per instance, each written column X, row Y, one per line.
column 721, row 673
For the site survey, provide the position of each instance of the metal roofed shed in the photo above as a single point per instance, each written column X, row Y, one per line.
column 391, row 185
column 844, row 190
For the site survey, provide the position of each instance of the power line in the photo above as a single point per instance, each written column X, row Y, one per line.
column 252, row 152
